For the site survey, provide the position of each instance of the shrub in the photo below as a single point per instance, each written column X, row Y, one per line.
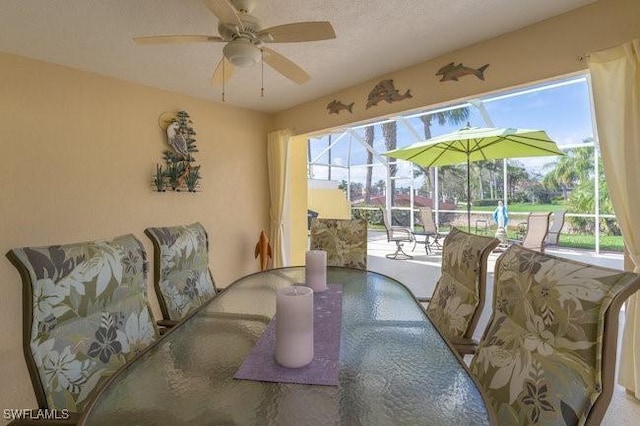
column 486, row 202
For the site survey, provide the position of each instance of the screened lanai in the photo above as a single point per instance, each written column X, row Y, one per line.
column 350, row 160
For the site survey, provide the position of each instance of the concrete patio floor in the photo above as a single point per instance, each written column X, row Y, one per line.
column 421, row 273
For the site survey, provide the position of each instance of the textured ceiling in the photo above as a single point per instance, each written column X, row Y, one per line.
column 373, row 37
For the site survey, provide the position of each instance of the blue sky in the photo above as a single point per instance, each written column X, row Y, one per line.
column 562, row 110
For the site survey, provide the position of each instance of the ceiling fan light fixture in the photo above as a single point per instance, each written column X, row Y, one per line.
column 242, row 53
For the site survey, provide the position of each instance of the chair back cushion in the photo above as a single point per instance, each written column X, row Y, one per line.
column 459, row 295
column 181, row 273
column 386, row 224
column 537, row 228
column 86, row 314
column 428, row 224
column 556, row 227
column 344, row 240
column 541, row 359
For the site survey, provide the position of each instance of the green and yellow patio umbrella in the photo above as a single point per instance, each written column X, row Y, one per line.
column 477, row 144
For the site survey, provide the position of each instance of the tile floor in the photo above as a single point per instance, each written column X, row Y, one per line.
column 421, row 273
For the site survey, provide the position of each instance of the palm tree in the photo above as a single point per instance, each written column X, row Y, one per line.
column 573, row 167
column 518, row 177
column 562, row 176
column 390, row 133
column 369, row 133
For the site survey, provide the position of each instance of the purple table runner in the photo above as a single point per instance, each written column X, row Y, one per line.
column 260, row 364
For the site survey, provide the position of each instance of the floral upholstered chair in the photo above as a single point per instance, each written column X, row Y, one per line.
column 548, row 354
column 182, row 277
column 86, row 314
column 458, row 298
column 344, row 240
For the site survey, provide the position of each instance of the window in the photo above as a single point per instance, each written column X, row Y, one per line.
column 353, row 158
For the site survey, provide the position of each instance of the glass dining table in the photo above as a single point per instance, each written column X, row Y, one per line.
column 394, row 366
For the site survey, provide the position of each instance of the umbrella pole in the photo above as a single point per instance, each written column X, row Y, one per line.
column 468, row 196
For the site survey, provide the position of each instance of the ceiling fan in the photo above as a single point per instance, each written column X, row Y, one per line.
column 245, row 40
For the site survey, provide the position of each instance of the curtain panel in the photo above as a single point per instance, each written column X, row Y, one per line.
column 615, row 76
column 277, row 163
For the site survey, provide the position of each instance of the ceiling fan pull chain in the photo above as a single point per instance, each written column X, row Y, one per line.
column 223, row 61
column 262, row 73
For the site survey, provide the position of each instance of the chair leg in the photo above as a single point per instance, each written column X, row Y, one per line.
column 435, row 244
column 399, row 253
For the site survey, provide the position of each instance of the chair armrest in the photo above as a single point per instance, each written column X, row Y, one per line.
column 165, row 325
column 464, row 346
column 404, row 232
column 71, row 421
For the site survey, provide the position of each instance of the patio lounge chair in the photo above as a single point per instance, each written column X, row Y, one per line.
column 181, row 274
column 556, row 228
column 429, row 230
column 548, row 355
column 86, row 314
column 537, row 228
column 398, row 235
column 459, row 296
column 344, row 240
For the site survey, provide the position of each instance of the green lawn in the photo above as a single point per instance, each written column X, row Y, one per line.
column 607, row 242
column 581, row 241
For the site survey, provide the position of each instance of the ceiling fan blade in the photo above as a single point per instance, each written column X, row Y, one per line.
column 300, row 31
column 169, row 39
column 285, row 67
column 224, row 11
column 217, row 79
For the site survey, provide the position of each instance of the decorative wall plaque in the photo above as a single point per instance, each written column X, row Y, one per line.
column 452, row 72
column 180, row 172
column 336, row 106
column 386, row 91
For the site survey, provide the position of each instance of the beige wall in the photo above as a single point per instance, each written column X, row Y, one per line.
column 78, row 153
column 541, row 51
column 329, row 203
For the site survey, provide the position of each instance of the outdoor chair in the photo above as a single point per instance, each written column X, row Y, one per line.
column 344, row 240
column 459, row 295
column 548, row 354
column 85, row 315
column 556, row 227
column 429, row 230
column 398, row 235
column 537, row 228
column 182, row 278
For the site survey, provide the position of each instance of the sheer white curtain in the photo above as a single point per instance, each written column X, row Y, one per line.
column 615, row 75
column 277, row 162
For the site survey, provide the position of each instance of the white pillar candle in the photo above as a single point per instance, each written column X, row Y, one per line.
column 294, row 326
column 315, row 271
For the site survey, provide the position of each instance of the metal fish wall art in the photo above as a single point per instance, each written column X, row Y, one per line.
column 452, row 72
column 385, row 91
column 336, row 106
